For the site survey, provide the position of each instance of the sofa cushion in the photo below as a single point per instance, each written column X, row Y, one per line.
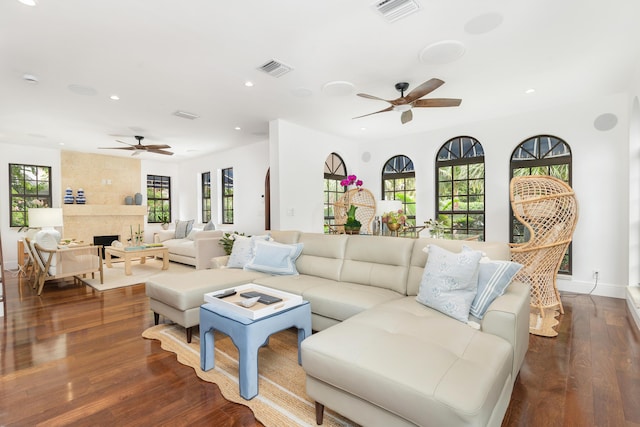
column 450, row 281
column 184, row 291
column 296, row 284
column 209, row 226
column 322, row 255
column 274, row 257
column 184, row 247
column 411, row 360
column 340, row 300
column 377, row 261
column 183, row 228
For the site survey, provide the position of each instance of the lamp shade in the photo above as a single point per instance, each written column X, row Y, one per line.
column 45, row 217
column 383, row 206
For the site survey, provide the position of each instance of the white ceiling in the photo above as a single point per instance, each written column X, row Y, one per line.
column 161, row 56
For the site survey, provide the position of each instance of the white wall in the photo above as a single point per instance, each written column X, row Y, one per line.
column 10, row 153
column 250, row 164
column 297, row 174
column 600, row 178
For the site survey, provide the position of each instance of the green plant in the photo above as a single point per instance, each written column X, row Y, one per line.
column 351, row 218
column 394, row 217
column 227, row 241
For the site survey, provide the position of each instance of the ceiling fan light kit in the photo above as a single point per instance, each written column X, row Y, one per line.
column 404, row 104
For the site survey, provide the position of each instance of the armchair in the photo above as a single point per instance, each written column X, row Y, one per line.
column 548, row 208
column 57, row 263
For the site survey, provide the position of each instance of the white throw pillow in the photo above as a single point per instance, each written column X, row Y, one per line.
column 450, row 282
column 242, row 250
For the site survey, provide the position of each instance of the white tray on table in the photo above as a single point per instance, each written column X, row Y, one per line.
column 258, row 310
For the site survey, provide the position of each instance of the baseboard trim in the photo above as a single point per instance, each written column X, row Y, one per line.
column 602, row 289
column 633, row 303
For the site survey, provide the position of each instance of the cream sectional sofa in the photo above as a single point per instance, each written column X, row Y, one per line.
column 197, row 249
column 381, row 358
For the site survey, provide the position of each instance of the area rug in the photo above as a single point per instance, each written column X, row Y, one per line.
column 281, row 399
column 114, row 277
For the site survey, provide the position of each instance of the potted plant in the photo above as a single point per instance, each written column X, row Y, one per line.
column 164, row 221
column 394, row 219
column 352, row 226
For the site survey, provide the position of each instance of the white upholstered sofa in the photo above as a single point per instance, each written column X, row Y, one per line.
column 198, row 248
column 380, row 357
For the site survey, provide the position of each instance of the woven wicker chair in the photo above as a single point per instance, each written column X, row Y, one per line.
column 366, row 204
column 548, row 208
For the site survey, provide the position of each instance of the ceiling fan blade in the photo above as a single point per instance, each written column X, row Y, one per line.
column 423, row 89
column 406, row 116
column 364, row 95
column 157, row 146
column 437, row 102
column 381, row 111
column 117, row 148
column 126, row 143
column 168, row 153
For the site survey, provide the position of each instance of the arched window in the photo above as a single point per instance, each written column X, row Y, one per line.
column 541, row 155
column 334, row 172
column 399, row 183
column 460, row 186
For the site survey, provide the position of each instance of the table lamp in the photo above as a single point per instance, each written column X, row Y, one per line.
column 46, row 219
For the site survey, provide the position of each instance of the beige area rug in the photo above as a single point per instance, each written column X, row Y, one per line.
column 114, row 277
column 281, row 399
column 543, row 325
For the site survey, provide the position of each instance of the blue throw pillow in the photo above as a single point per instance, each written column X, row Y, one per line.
column 493, row 279
column 275, row 258
column 450, row 282
column 209, row 226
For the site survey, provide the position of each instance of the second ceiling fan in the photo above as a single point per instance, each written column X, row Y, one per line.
column 404, row 104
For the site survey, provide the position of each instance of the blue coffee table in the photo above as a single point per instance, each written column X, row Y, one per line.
column 248, row 336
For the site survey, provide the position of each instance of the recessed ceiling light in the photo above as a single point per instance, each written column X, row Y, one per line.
column 442, row 52
column 114, row 97
column 61, row 143
column 530, row 91
column 483, row 24
column 248, row 84
column 28, row 2
column 30, row 78
column 237, row 128
column 363, row 129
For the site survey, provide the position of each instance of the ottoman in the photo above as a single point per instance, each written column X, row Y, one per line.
column 178, row 296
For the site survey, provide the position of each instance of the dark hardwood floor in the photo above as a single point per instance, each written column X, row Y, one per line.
column 75, row 356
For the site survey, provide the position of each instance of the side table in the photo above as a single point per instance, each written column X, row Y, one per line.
column 248, row 336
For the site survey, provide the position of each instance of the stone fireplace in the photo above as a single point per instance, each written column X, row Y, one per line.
column 106, row 181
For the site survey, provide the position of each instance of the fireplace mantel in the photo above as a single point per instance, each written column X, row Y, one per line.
column 104, row 210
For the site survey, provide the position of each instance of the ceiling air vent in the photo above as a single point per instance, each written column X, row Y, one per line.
column 392, row 10
column 186, row 115
column 275, row 68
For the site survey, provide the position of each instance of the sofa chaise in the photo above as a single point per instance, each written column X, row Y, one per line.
column 379, row 357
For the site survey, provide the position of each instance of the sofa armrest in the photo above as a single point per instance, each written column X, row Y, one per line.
column 163, row 235
column 220, row 261
column 508, row 318
column 206, row 234
column 206, row 249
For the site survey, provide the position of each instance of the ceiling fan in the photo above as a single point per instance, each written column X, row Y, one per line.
column 139, row 147
column 404, row 104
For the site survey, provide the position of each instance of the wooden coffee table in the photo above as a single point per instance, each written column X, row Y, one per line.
column 142, row 254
